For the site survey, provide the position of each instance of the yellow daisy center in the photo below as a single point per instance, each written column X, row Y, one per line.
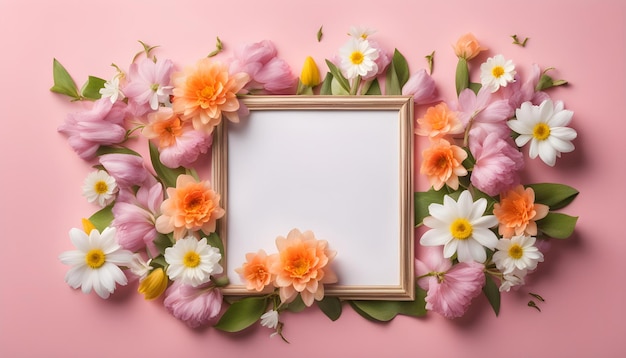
column 191, row 259
column 516, row 252
column 100, row 187
column 497, row 71
column 356, row 58
column 95, row 258
column 541, row 131
column 461, row 229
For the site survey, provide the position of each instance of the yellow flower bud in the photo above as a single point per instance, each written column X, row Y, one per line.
column 88, row 226
column 154, row 284
column 310, row 75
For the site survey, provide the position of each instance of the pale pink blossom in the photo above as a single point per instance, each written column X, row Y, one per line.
column 127, row 169
column 102, row 125
column 451, row 288
column 149, row 83
column 422, row 87
column 268, row 73
column 135, row 215
column 195, row 306
column 518, row 92
column 498, row 162
column 483, row 110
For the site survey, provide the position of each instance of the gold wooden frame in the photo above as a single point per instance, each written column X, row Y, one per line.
column 398, row 115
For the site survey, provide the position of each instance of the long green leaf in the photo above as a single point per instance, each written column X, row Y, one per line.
column 326, row 88
column 462, row 76
column 384, row 311
column 401, row 66
column 338, row 76
column 374, row 88
column 63, row 82
column 91, row 88
column 556, row 196
column 492, row 292
column 242, row 314
column 557, row 225
column 392, row 83
column 331, row 306
column 102, row 218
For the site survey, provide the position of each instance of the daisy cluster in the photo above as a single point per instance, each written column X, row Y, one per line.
column 156, row 222
column 484, row 226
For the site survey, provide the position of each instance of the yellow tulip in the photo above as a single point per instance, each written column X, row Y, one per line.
column 310, row 75
column 154, row 284
column 88, row 226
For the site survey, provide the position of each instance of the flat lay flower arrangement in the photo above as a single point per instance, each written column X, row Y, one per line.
column 484, row 230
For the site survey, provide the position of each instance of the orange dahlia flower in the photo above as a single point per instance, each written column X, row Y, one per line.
column 439, row 121
column 256, row 271
column 517, row 212
column 204, row 93
column 301, row 266
column 190, row 205
column 442, row 164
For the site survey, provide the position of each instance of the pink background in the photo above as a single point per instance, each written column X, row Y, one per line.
column 582, row 279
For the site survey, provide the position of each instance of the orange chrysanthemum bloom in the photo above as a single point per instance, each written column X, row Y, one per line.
column 517, row 212
column 256, row 271
column 467, row 47
column 442, row 164
column 438, row 121
column 301, row 266
column 190, row 205
column 204, row 93
column 165, row 126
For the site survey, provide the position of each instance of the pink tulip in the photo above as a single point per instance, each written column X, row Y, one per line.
column 484, row 111
column 127, row 169
column 268, row 73
column 451, row 288
column 195, row 306
column 498, row 162
column 134, row 217
column 149, row 83
column 103, row 124
column 422, row 87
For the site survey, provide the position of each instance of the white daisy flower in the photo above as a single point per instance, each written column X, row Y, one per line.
column 95, row 265
column 545, row 126
column 496, row 72
column 461, row 228
column 99, row 187
column 192, row 262
column 112, row 90
column 518, row 252
column 361, row 33
column 357, row 58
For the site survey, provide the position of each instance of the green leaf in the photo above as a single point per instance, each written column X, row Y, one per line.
column 63, row 82
column 326, row 88
column 384, row 311
column 214, row 240
column 331, row 306
column 492, row 292
column 475, row 87
column 297, row 305
column 242, row 314
column 374, row 88
column 167, row 175
column 105, row 149
column 423, row 200
column 338, row 76
column 218, row 48
column 102, row 218
column 401, row 67
column 162, row 242
column 392, row 83
column 337, row 89
column 462, row 76
column 91, row 88
column 557, row 225
column 491, row 201
column 320, row 34
column 158, row 261
column 556, row 196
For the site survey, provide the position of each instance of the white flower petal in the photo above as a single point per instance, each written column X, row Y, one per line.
column 546, row 153
column 559, row 145
column 434, row 237
column 563, row 133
